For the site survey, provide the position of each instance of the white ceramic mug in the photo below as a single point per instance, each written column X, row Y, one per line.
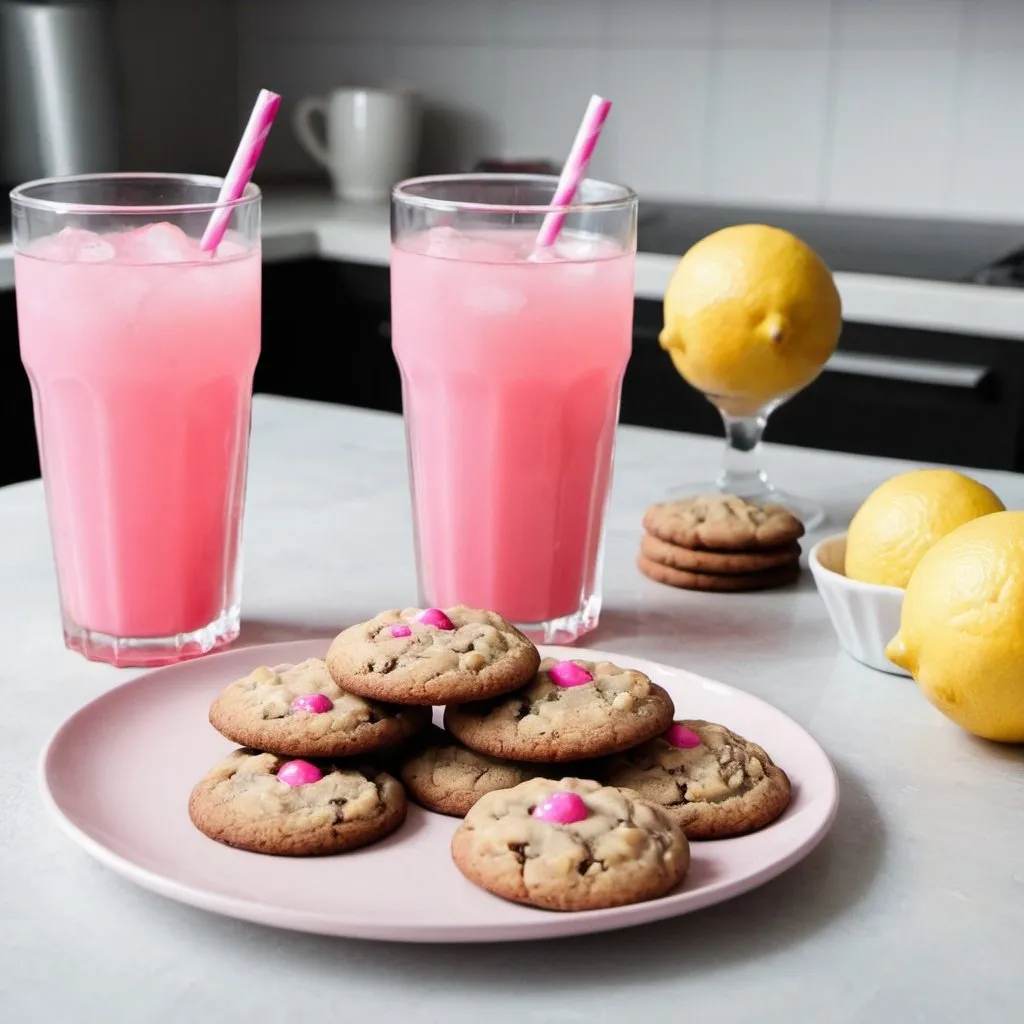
column 371, row 138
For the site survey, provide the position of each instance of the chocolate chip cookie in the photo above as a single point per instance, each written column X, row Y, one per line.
column 722, row 522
column 432, row 656
column 712, row 782
column 571, row 710
column 725, row 563
column 571, row 844
column 444, row 776
column 723, row 583
column 301, row 711
column 269, row 804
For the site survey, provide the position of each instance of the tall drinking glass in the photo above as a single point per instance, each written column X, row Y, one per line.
column 140, row 349
column 512, row 361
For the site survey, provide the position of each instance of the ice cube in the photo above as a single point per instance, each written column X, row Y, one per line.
column 76, row 245
column 158, row 243
column 542, row 255
column 577, row 253
column 580, row 248
column 229, row 249
column 495, row 300
column 232, row 245
column 445, row 242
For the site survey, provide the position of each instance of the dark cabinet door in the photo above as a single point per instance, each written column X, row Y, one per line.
column 19, row 458
column 653, row 394
column 919, row 395
column 916, row 395
column 372, row 377
column 327, row 335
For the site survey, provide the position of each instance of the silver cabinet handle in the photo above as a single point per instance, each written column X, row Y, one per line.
column 918, row 371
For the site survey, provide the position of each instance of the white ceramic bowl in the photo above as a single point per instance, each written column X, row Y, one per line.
column 866, row 616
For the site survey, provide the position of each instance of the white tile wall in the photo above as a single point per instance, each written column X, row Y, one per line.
column 910, row 106
column 986, row 174
column 765, row 130
column 994, row 25
column 544, row 91
column 756, row 24
column 460, row 124
column 892, row 129
column 661, row 23
column 677, row 85
column 899, row 24
column 566, row 23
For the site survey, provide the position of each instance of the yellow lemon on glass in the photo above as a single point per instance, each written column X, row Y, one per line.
column 962, row 629
column 751, row 315
column 900, row 520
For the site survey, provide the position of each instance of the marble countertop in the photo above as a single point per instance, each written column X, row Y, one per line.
column 910, row 910
column 306, row 221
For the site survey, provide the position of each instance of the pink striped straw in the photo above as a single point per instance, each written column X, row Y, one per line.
column 240, row 172
column 575, row 168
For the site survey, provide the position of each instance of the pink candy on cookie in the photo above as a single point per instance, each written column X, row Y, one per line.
column 400, row 629
column 436, row 617
column 561, row 808
column 568, row 673
column 314, row 703
column 298, row 773
column 679, row 736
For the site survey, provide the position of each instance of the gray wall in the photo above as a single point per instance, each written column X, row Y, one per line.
column 179, row 84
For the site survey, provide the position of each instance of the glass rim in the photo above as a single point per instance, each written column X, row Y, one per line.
column 19, row 195
column 400, row 195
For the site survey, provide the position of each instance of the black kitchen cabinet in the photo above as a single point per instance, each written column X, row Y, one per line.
column 919, row 395
column 327, row 335
column 19, row 459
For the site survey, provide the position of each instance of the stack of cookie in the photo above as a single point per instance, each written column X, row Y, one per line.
column 578, row 789
column 720, row 543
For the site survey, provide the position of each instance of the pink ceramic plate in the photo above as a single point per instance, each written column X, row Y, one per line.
column 118, row 773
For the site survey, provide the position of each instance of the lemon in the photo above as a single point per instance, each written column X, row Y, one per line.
column 903, row 518
column 962, row 629
column 751, row 315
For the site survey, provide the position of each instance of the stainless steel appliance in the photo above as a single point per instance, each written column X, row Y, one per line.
column 58, row 89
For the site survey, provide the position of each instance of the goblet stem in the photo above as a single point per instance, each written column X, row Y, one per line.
column 741, row 472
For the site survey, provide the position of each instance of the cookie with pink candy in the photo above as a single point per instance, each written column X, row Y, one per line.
column 571, row 710
column 292, row 807
column 443, row 776
column 299, row 710
column 712, row 781
column 570, row 844
column 426, row 656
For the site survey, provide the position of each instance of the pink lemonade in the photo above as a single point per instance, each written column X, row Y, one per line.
column 511, row 373
column 141, row 350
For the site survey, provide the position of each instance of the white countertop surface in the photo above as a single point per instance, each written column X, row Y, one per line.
column 301, row 222
column 912, row 909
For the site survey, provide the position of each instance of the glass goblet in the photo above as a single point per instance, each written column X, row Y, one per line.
column 741, row 474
